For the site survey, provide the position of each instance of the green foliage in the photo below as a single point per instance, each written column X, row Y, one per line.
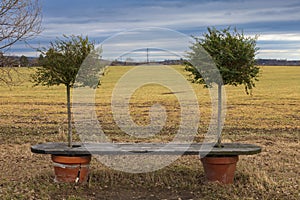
column 62, row 61
column 61, row 64
column 233, row 54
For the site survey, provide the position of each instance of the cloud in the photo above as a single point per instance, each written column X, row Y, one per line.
column 281, row 37
column 136, row 41
column 273, row 21
column 171, row 14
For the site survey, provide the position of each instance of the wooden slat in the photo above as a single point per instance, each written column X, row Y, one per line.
column 143, row 148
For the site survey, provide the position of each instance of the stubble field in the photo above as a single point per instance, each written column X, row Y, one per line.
column 269, row 118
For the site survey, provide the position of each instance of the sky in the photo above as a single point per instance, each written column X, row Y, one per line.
column 276, row 22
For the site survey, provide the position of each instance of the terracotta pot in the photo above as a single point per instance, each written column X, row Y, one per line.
column 220, row 169
column 70, row 169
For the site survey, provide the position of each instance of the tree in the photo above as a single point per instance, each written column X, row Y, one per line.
column 9, row 76
column 24, row 61
column 234, row 56
column 1, row 60
column 60, row 65
column 40, row 60
column 20, row 20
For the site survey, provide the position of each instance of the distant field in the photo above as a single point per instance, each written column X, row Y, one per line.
column 273, row 108
column 270, row 118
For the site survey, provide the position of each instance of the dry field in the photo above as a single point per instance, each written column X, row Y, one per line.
column 269, row 118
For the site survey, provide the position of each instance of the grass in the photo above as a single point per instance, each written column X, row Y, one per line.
column 269, row 118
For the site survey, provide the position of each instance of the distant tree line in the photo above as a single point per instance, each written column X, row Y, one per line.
column 23, row 61
column 18, row 61
column 261, row 62
column 132, row 63
column 276, row 62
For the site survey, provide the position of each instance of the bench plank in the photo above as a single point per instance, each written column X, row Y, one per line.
column 143, row 148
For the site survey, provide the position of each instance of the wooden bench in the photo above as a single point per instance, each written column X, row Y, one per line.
column 220, row 172
column 227, row 149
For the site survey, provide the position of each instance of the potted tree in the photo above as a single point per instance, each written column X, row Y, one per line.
column 234, row 56
column 60, row 65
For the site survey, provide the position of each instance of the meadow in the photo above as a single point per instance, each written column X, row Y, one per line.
column 270, row 117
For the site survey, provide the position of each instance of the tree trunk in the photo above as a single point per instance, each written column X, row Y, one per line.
column 69, row 116
column 219, row 128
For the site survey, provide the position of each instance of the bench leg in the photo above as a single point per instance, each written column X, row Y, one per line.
column 220, row 169
column 71, row 169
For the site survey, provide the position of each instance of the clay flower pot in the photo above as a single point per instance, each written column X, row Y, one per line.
column 70, row 169
column 220, row 169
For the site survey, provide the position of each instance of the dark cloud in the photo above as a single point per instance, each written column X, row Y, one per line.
column 100, row 19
